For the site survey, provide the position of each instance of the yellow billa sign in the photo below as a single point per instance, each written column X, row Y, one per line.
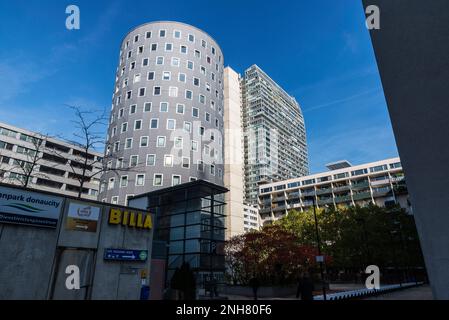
column 130, row 218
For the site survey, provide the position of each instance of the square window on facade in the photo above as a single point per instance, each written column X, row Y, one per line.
column 161, row 33
column 177, row 34
column 160, row 142
column 145, row 62
column 153, row 46
column 180, row 108
column 128, row 143
column 168, row 47
column 143, row 141
column 150, row 75
column 168, row 161
column 163, row 107
column 160, row 60
column 154, row 123
column 196, row 82
column 176, row 180
column 140, row 179
column 151, row 160
column 185, row 162
column 173, row 91
column 157, row 91
column 157, row 180
column 182, row 77
column 187, row 126
column 132, row 109
column 133, row 161
column 191, row 38
column 147, row 107
column 166, row 75
column 137, row 78
column 178, row 142
column 137, row 124
column 183, row 49
column 189, row 94
column 142, row 92
column 175, row 62
column 190, row 65
column 195, row 112
column 148, row 35
column 123, row 181
column 171, row 124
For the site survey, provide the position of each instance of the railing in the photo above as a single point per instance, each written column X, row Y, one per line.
column 343, row 199
column 342, row 188
column 397, row 179
column 380, row 182
column 360, row 185
column 308, row 193
column 361, row 196
column 325, row 201
column 323, row 191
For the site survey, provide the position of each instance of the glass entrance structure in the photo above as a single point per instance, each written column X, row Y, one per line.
column 190, row 218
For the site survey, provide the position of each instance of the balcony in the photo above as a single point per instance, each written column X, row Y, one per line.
column 325, row 201
column 279, row 208
column 341, row 188
column 307, row 203
column 323, row 191
column 293, row 195
column 307, row 193
column 362, row 196
column 397, row 179
column 381, row 192
column 360, row 185
column 341, row 199
column 277, row 199
column 380, row 182
column 265, row 210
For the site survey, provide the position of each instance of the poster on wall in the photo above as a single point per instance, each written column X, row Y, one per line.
column 82, row 217
column 19, row 206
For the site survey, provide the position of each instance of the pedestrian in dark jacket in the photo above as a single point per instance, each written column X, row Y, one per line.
column 305, row 287
column 254, row 284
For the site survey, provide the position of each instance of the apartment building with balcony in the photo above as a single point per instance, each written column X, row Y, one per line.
column 381, row 183
column 275, row 146
column 57, row 168
column 251, row 218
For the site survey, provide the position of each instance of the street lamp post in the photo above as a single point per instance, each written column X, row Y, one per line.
column 318, row 243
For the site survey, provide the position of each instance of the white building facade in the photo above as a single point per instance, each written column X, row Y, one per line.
column 381, row 183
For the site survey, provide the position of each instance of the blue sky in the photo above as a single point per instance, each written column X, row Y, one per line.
column 318, row 51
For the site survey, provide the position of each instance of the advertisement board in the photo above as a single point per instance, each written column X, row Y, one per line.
column 19, row 206
column 82, row 217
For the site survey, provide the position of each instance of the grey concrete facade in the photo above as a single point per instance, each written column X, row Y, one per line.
column 411, row 49
column 169, row 85
column 34, row 259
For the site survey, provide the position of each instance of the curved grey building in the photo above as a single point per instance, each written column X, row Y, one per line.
column 166, row 124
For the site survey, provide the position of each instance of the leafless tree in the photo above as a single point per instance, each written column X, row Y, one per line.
column 89, row 135
column 27, row 168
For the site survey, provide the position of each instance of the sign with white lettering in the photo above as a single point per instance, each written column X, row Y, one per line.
column 30, row 208
column 125, row 255
column 82, row 217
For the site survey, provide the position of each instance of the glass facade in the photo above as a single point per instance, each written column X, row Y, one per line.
column 190, row 219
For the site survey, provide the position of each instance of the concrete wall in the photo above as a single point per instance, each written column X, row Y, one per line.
column 34, row 259
column 412, row 48
column 233, row 142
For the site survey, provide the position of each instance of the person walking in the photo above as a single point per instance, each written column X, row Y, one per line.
column 305, row 287
column 254, row 284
